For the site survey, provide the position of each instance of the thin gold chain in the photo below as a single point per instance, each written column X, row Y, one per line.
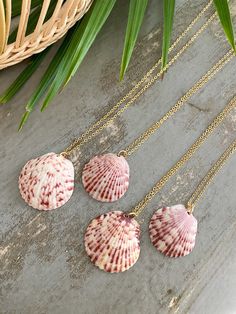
column 196, row 145
column 129, row 150
column 114, row 112
column 210, row 176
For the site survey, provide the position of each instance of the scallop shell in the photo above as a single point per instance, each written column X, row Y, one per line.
column 47, row 182
column 112, row 241
column 106, row 177
column 173, row 231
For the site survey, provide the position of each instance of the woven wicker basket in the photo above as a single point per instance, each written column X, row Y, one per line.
column 65, row 14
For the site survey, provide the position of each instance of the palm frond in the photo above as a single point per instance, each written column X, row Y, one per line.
column 169, row 9
column 137, row 10
column 23, row 77
column 82, row 39
column 46, row 79
column 222, row 8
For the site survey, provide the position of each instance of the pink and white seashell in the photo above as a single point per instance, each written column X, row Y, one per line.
column 112, row 241
column 106, row 177
column 173, row 231
column 47, row 182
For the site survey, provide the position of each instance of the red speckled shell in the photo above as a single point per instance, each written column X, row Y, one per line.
column 106, row 177
column 173, row 231
column 112, row 241
column 47, row 182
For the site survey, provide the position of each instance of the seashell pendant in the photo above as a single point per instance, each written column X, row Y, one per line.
column 106, row 177
column 173, row 231
column 47, row 182
column 112, row 241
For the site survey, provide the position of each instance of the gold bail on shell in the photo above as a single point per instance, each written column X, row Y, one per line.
column 112, row 241
column 106, row 177
column 47, row 182
column 173, row 231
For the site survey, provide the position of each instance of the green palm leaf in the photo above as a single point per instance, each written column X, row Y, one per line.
column 169, row 9
column 23, row 77
column 222, row 9
column 47, row 78
column 137, row 9
column 82, row 39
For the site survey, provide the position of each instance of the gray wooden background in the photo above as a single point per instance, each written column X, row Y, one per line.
column 44, row 267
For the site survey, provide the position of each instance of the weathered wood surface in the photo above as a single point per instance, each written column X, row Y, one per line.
column 44, row 267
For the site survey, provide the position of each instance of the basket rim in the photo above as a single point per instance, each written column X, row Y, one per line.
column 50, row 31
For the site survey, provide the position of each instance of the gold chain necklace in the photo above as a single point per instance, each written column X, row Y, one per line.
column 194, row 199
column 137, row 210
column 173, row 229
column 47, row 182
column 115, row 112
column 106, row 177
column 112, row 240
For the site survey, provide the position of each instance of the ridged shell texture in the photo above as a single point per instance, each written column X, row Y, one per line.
column 173, row 231
column 47, row 182
column 106, row 177
column 112, row 241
